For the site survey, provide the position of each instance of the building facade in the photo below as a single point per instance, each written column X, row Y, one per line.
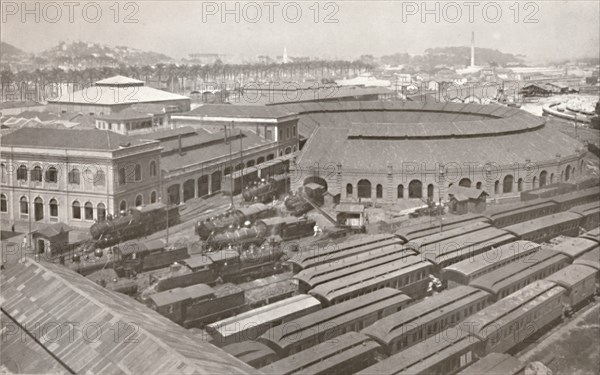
column 75, row 176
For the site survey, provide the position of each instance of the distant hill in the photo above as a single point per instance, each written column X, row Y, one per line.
column 453, row 56
column 87, row 55
column 80, row 55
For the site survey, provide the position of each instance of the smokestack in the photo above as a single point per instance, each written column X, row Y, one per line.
column 472, row 48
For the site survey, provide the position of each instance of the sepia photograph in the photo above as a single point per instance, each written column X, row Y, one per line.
column 300, row 187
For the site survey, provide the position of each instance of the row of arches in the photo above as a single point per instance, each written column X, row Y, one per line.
column 364, row 189
column 139, row 201
column 78, row 211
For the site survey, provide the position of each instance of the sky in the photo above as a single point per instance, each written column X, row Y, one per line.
column 541, row 30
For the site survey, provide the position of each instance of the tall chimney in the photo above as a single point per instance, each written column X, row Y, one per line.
column 472, row 48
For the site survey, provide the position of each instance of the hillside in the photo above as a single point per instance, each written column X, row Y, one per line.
column 453, row 56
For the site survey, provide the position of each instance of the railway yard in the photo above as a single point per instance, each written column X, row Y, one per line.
column 376, row 300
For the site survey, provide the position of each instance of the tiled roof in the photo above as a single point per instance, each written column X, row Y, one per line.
column 111, row 95
column 84, row 139
column 144, row 343
column 126, row 114
column 462, row 193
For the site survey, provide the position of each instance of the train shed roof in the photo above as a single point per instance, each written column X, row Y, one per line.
column 40, row 292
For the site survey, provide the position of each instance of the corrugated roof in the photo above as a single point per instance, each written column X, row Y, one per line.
column 38, row 292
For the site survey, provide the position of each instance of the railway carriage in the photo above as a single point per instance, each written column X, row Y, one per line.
column 312, row 277
column 346, row 354
column 513, row 319
column 250, row 325
column 331, row 322
column 573, row 247
column 251, row 352
column 503, row 216
column 579, row 282
column 590, row 259
column 427, row 318
column 436, row 355
column 467, row 270
column 139, row 256
column 448, row 235
column 413, row 232
column 547, row 227
column 590, row 213
column 577, row 198
column 449, row 251
column 410, row 275
column 332, row 251
column 514, row 276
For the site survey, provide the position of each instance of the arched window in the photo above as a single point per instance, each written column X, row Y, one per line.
column 507, row 184
column 270, row 157
column 543, row 177
column 74, row 177
column 3, row 203
column 122, row 176
column 520, row 184
column 250, row 163
column 138, row 172
column 349, row 190
column 52, row 175
column 288, row 150
column 400, row 191
column 138, row 200
column 497, row 187
column 101, row 212
column 153, row 197
column 551, row 178
column 239, row 167
column 534, row 182
column 568, row 173
column 152, row 168
column 24, row 205
column 478, row 185
column 227, row 171
column 294, row 149
column 4, row 174
column 260, row 160
column 22, row 173
column 465, row 182
column 364, row 189
column 53, row 208
column 38, row 209
column 379, row 191
column 36, row 174
column 89, row 211
column 430, row 191
column 415, row 189
column 76, row 210
column 99, row 178
column 123, row 206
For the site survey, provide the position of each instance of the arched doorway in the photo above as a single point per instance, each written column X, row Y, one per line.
column 173, row 193
column 430, row 191
column 507, row 184
column 568, row 173
column 379, row 191
column 415, row 189
column 543, row 177
column 38, row 209
column 497, row 187
column 400, row 194
column 465, row 182
column 478, row 185
column 552, row 178
column 349, row 190
column 188, row 190
column 364, row 189
column 520, row 184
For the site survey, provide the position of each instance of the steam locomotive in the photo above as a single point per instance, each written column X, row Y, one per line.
column 135, row 223
column 231, row 219
column 266, row 191
column 287, row 228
